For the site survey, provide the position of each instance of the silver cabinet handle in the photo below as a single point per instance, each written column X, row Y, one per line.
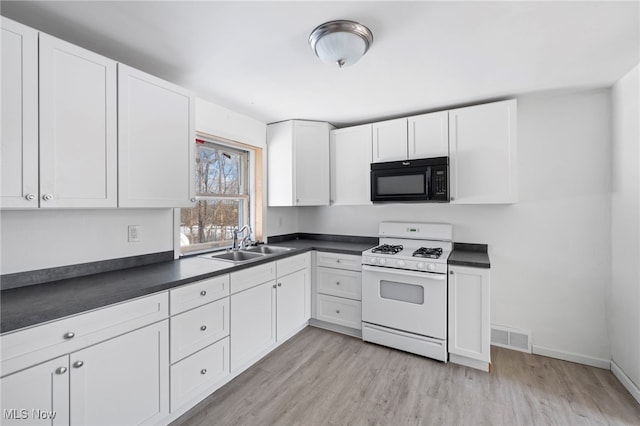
column 279, row 284
column 47, row 197
column 337, row 282
column 337, row 311
column 30, row 197
column 338, row 261
column 450, row 272
column 61, row 370
column 203, row 328
column 274, row 286
column 203, row 293
column 452, row 198
column 78, row 364
column 193, row 200
column 203, row 371
column 69, row 335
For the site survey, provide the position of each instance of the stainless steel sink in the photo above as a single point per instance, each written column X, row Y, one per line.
column 268, row 249
column 236, row 256
column 247, row 255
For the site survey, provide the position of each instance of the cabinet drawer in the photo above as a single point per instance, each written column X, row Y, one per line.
column 193, row 330
column 36, row 344
column 198, row 373
column 340, row 261
column 341, row 283
column 198, row 293
column 293, row 264
column 251, row 277
column 339, row 311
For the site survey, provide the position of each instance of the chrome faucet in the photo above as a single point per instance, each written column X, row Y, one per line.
column 244, row 240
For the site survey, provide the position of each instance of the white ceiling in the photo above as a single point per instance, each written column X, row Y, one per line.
column 253, row 57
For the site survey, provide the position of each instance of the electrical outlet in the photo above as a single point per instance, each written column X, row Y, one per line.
column 134, row 233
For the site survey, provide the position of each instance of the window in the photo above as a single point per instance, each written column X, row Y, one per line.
column 222, row 192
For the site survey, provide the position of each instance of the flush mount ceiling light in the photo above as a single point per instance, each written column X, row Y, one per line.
column 340, row 42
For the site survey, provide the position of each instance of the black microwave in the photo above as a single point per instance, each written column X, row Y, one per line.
column 423, row 180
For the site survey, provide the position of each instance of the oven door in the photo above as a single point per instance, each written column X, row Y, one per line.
column 415, row 302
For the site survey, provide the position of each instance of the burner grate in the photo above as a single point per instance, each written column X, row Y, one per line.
column 429, row 252
column 387, row 249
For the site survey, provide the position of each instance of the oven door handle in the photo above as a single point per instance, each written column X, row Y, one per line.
column 405, row 273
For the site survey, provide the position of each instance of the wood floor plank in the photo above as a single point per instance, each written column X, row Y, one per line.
column 323, row 378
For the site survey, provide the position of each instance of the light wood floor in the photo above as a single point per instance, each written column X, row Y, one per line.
column 323, row 378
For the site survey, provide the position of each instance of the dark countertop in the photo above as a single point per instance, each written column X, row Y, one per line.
column 35, row 304
column 472, row 255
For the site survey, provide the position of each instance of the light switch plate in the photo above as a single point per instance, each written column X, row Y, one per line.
column 134, row 233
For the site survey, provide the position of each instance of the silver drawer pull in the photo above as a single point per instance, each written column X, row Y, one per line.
column 274, row 286
column 61, row 370
column 30, row 197
column 203, row 371
column 78, row 364
column 203, row 328
column 203, row 293
column 69, row 335
column 338, row 261
column 337, row 282
column 279, row 284
column 337, row 311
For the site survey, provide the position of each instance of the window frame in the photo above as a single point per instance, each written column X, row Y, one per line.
column 248, row 199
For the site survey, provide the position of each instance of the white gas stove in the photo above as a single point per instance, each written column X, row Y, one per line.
column 404, row 288
column 412, row 246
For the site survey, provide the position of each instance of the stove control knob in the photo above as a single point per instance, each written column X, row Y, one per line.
column 382, row 261
column 372, row 260
column 420, row 265
column 431, row 266
column 400, row 263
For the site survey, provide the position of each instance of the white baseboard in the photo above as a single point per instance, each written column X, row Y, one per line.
column 626, row 381
column 468, row 362
column 573, row 357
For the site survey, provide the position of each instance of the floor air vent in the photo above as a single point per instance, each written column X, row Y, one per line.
column 511, row 338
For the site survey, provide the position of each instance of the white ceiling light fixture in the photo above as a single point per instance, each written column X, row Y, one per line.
column 340, row 42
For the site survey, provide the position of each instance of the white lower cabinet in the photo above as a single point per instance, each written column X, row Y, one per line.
column 469, row 316
column 32, row 396
column 253, row 323
column 123, row 381
column 291, row 303
column 338, row 291
column 340, row 311
column 197, row 373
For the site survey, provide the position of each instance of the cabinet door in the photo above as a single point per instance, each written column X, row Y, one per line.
column 390, row 140
column 351, row 165
column 253, row 322
column 469, row 312
column 78, row 143
column 38, row 395
column 311, row 164
column 156, row 142
column 483, row 156
column 19, row 114
column 291, row 307
column 429, row 135
column 123, row 380
column 280, row 164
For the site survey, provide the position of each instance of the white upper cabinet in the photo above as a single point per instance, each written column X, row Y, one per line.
column 19, row 129
column 298, row 163
column 428, row 135
column 78, row 144
column 156, row 142
column 483, row 155
column 390, row 140
column 351, row 158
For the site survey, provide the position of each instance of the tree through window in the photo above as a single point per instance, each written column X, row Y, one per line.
column 222, row 197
